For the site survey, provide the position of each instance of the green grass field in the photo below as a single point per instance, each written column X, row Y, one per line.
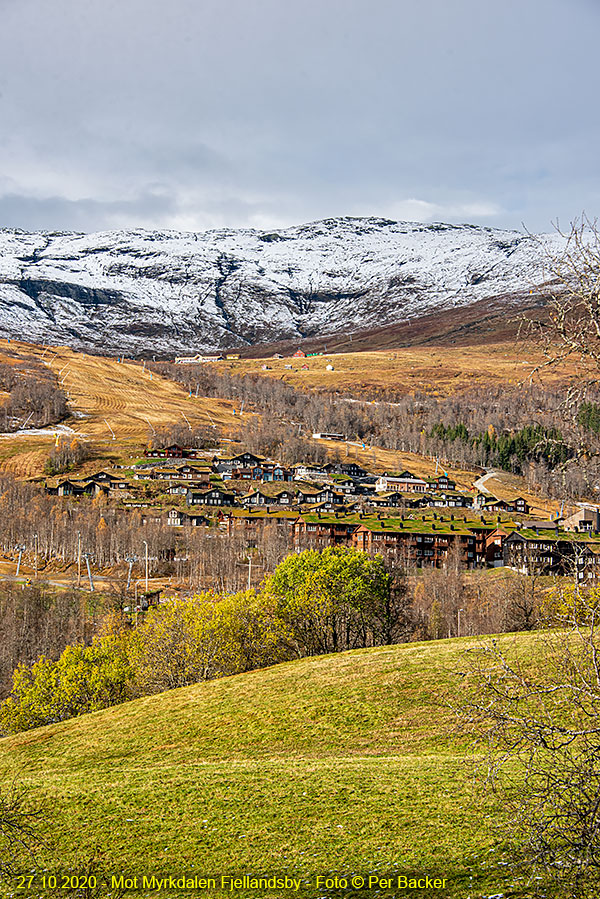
column 335, row 765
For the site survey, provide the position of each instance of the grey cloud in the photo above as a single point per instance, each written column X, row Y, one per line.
column 230, row 113
column 58, row 213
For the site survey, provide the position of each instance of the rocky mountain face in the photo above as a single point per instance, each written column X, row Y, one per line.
column 164, row 291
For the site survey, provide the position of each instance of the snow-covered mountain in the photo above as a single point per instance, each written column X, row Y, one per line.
column 166, row 291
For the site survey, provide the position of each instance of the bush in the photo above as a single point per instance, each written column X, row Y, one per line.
column 84, row 679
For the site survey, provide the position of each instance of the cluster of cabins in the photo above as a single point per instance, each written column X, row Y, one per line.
column 422, row 521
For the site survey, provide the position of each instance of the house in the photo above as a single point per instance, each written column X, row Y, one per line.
column 308, row 473
column 404, row 482
column 333, row 507
column 178, row 518
column 274, row 472
column 349, row 469
column 175, row 518
column 393, row 499
column 489, row 503
column 145, row 473
column 299, row 354
column 343, row 484
column 211, row 497
column 191, row 360
column 322, row 530
column 586, row 519
column 497, row 505
column 251, row 523
column 80, row 488
column 535, row 550
column 441, row 482
column 174, row 451
column 494, row 547
column 241, row 460
column 418, row 542
column 103, row 477
column 318, row 495
column 261, row 498
column 452, row 499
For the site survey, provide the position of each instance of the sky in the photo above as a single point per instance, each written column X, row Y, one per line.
column 201, row 114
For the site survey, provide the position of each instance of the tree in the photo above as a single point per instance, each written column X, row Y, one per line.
column 571, row 328
column 539, row 714
column 83, row 679
column 336, row 599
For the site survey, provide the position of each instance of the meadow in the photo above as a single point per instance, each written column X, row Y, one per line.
column 334, row 765
column 436, row 370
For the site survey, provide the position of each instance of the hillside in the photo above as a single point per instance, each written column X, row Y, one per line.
column 345, row 763
column 436, row 370
column 107, row 396
column 164, row 292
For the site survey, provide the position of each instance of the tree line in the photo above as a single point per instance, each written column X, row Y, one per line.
column 65, row 654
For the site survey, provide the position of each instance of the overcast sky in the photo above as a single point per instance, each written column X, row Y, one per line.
column 198, row 114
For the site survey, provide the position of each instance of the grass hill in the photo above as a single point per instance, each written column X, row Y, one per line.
column 107, row 396
column 345, row 763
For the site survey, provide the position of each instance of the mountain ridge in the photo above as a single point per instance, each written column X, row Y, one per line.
column 168, row 291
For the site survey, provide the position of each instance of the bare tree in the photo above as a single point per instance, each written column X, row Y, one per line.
column 571, row 329
column 539, row 715
column 20, row 828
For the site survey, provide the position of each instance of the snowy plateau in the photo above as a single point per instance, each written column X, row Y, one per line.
column 165, row 291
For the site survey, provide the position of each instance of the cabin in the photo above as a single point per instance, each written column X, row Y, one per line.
column 174, row 451
column 318, row 495
column 308, row 473
column 535, row 550
column 259, row 498
column 349, row 469
column 494, row 547
column 212, row 497
column 80, row 488
column 393, row 499
column 450, row 499
column 178, row 518
column 241, row 460
column 441, row 482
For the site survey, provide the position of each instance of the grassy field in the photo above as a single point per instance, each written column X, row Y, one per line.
column 331, row 765
column 434, row 370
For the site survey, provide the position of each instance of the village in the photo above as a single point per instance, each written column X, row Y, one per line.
column 418, row 522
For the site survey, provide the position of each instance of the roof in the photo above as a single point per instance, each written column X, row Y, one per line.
column 391, row 524
column 532, row 536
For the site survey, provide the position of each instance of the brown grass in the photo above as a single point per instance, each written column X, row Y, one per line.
column 434, row 370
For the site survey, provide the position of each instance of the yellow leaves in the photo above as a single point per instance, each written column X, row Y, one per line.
column 565, row 605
